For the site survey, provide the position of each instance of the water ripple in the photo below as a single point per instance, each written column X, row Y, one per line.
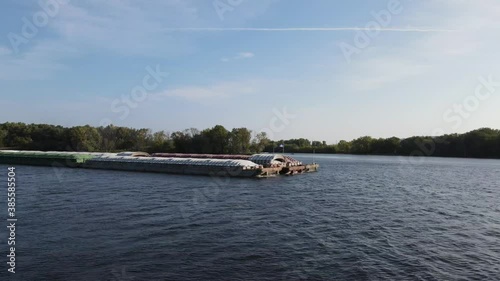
column 359, row 218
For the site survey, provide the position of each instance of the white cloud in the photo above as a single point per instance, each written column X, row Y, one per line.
column 246, row 55
column 37, row 63
column 126, row 27
column 239, row 56
column 217, row 91
column 4, row 51
column 464, row 53
column 117, row 26
column 240, row 12
column 374, row 74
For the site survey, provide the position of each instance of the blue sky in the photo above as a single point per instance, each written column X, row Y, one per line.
column 238, row 62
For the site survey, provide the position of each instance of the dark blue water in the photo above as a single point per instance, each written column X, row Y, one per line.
column 359, row 218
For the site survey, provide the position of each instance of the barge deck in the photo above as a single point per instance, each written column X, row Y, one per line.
column 256, row 166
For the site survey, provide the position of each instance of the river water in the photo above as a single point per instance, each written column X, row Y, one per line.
column 358, row 218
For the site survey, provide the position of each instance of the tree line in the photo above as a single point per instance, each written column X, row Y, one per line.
column 481, row 143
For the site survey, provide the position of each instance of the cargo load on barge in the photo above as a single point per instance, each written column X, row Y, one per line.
column 257, row 165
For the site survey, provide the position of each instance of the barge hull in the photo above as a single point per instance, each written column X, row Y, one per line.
column 186, row 166
column 174, row 169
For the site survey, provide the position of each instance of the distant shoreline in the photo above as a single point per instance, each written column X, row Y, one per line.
column 482, row 143
column 385, row 155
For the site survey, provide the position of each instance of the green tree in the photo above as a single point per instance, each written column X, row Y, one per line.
column 140, row 139
column 160, row 142
column 48, row 137
column 260, row 142
column 362, row 145
column 182, row 141
column 85, row 138
column 498, row 146
column 18, row 135
column 318, row 144
column 108, row 138
column 385, row 146
column 239, row 141
column 343, row 147
column 3, row 134
column 481, row 143
column 218, row 137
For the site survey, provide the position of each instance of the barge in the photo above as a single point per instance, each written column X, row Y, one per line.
column 257, row 165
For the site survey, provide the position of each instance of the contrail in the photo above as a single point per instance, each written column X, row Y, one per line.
column 221, row 29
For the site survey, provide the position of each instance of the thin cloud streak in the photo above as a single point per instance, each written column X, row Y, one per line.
column 220, row 29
